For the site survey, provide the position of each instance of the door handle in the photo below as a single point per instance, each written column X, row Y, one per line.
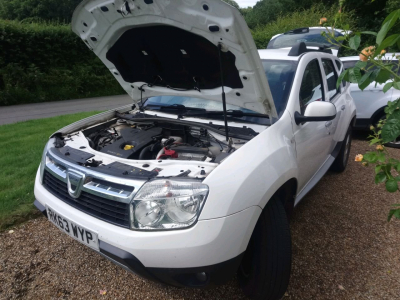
column 327, row 124
column 343, row 107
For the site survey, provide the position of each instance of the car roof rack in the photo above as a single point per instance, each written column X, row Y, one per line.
column 298, row 30
column 301, row 48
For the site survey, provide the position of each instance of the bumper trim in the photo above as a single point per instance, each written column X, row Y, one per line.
column 40, row 207
column 180, row 277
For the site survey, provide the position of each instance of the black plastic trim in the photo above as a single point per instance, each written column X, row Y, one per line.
column 362, row 123
column 300, row 119
column 40, row 207
column 337, row 148
column 179, row 277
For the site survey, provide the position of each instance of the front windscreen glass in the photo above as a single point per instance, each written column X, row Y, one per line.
column 312, row 38
column 191, row 102
column 280, row 74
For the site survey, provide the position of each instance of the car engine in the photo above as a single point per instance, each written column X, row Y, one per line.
column 150, row 141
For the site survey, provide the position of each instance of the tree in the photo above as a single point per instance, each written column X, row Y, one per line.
column 266, row 11
column 48, row 10
column 233, row 3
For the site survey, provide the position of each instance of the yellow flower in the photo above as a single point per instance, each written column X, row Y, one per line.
column 379, row 148
column 367, row 52
column 359, row 157
column 371, row 127
column 322, row 21
column 383, row 52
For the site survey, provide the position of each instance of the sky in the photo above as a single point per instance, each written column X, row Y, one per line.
column 246, row 3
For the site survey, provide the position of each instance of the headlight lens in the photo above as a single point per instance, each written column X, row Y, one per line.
column 43, row 161
column 168, row 204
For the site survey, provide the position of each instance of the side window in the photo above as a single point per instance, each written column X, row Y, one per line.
column 339, row 66
column 311, row 88
column 331, row 77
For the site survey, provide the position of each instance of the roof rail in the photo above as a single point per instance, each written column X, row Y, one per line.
column 298, row 30
column 301, row 48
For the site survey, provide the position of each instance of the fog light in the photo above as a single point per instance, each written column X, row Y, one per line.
column 201, row 276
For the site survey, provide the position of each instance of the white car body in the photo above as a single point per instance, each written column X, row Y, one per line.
column 372, row 101
column 282, row 155
column 336, row 30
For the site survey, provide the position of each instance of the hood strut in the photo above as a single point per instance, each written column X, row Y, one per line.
column 223, row 91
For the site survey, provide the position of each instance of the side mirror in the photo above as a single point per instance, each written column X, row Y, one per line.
column 316, row 111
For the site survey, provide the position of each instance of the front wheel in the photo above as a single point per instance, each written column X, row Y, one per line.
column 340, row 163
column 265, row 269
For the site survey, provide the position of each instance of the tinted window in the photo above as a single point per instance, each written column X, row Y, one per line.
column 311, row 38
column 339, row 66
column 280, row 74
column 331, row 77
column 311, row 85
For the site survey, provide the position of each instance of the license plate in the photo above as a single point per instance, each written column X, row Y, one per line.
column 78, row 232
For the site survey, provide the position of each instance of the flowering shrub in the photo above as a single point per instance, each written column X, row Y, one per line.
column 376, row 66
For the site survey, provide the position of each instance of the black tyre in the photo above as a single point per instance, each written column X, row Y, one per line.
column 340, row 163
column 265, row 269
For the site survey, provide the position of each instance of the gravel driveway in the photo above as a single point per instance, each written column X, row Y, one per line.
column 343, row 248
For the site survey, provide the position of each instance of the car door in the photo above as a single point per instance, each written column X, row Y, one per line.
column 371, row 99
column 335, row 96
column 312, row 139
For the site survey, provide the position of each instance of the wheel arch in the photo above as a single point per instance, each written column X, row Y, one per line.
column 287, row 195
column 377, row 115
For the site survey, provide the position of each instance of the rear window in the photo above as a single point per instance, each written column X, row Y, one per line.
column 311, row 38
column 331, row 77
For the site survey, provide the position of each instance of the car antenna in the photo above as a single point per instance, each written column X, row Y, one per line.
column 223, row 91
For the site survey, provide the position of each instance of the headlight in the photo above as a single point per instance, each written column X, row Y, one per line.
column 168, row 204
column 43, row 161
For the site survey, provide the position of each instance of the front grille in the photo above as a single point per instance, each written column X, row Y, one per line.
column 104, row 209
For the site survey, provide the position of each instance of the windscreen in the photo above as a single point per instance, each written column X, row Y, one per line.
column 280, row 74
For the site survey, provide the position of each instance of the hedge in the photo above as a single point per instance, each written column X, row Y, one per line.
column 48, row 62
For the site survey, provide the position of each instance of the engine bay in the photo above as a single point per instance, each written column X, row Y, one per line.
column 141, row 146
column 157, row 141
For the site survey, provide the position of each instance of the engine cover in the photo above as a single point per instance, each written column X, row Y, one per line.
column 138, row 138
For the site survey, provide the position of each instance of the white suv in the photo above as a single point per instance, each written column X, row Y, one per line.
column 195, row 182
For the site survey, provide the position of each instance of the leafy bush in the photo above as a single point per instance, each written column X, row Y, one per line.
column 44, row 62
column 54, row 10
column 368, row 14
column 301, row 18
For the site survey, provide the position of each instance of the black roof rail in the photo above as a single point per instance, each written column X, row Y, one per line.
column 298, row 30
column 301, row 48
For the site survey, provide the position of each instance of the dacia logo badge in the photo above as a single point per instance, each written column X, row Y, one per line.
column 75, row 181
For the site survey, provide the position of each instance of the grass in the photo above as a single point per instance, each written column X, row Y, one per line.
column 21, row 147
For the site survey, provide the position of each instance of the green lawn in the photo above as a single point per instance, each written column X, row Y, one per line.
column 21, row 147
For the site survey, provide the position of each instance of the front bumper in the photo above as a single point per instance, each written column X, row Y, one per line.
column 180, row 277
column 206, row 254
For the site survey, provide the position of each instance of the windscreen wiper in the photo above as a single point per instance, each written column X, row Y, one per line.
column 231, row 113
column 173, row 107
